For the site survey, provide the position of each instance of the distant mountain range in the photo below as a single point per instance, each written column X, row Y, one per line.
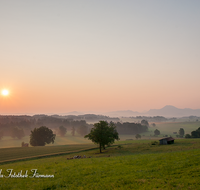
column 171, row 111
column 74, row 113
column 167, row 111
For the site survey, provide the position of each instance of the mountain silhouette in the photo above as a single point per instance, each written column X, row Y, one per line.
column 167, row 111
column 171, row 111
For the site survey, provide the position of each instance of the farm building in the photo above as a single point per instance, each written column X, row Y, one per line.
column 168, row 140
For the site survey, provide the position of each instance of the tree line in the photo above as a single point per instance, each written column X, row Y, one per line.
column 130, row 128
column 194, row 134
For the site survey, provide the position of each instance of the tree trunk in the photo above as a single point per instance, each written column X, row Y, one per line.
column 100, row 147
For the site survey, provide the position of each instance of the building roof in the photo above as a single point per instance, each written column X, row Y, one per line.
column 168, row 139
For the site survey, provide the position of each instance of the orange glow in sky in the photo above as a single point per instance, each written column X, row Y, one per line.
column 98, row 56
column 5, row 92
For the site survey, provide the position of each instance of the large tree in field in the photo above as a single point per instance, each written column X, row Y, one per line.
column 103, row 134
column 42, row 136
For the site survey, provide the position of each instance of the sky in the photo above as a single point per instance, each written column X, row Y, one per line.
column 99, row 56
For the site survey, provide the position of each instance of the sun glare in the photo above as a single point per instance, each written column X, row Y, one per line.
column 5, row 92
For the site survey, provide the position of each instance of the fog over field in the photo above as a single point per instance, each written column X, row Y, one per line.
column 99, row 94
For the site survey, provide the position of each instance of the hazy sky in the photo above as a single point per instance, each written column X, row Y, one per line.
column 106, row 55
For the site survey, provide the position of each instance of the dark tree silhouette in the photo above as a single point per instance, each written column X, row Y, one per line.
column 196, row 133
column 73, row 131
column 103, row 134
column 17, row 132
column 82, row 130
column 187, row 136
column 181, row 132
column 42, row 136
column 145, row 122
column 62, row 131
column 138, row 136
column 156, row 132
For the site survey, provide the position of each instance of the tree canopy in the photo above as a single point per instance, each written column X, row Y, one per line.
column 82, row 130
column 138, row 136
column 17, row 132
column 181, row 132
column 103, row 134
column 145, row 122
column 62, row 131
column 194, row 134
column 42, row 136
column 156, row 132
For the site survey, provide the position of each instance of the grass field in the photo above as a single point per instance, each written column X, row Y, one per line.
column 7, row 154
column 7, row 142
column 169, row 127
column 166, row 128
column 139, row 165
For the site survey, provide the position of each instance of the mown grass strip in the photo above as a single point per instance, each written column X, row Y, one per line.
column 45, row 155
column 13, row 154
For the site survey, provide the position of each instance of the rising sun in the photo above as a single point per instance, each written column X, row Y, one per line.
column 5, row 92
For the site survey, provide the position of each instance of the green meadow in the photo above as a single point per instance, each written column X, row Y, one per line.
column 166, row 128
column 8, row 142
column 136, row 165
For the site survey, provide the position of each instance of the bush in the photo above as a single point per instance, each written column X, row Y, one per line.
column 187, row 136
column 138, row 136
column 154, row 143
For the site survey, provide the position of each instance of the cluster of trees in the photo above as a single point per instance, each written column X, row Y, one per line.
column 81, row 130
column 17, row 133
column 103, row 133
column 145, row 122
column 194, row 134
column 151, row 119
column 92, row 118
column 130, row 128
column 19, row 126
column 62, row 131
column 181, row 133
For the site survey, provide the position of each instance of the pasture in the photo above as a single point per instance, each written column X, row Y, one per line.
column 166, row 128
column 139, row 165
column 8, row 142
